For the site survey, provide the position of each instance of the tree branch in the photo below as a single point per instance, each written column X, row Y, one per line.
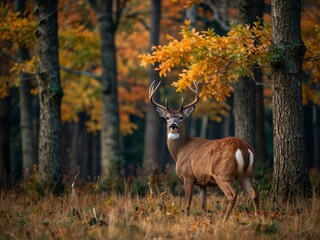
column 217, row 16
column 144, row 24
column 119, row 9
column 260, row 83
column 139, row 17
column 81, row 73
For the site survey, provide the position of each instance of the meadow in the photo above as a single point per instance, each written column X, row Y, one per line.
column 86, row 212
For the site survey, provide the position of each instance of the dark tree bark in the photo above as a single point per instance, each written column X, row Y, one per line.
column 316, row 136
column 290, row 175
column 244, row 97
column 50, row 91
column 153, row 131
column 244, row 110
column 83, row 160
column 4, row 140
column 111, row 152
column 261, row 145
column 27, row 140
column 36, row 126
column 5, row 107
column 15, row 139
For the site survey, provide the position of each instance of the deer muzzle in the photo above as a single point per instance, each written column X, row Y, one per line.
column 173, row 126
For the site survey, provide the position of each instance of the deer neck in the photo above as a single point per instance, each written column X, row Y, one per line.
column 176, row 141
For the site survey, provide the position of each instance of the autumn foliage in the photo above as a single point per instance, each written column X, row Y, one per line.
column 218, row 61
column 312, row 66
column 79, row 58
column 213, row 60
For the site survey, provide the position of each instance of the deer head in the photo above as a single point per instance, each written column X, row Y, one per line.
column 174, row 118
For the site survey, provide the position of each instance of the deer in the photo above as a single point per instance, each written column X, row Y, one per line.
column 203, row 162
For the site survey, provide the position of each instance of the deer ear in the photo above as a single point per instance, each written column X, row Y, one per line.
column 160, row 111
column 188, row 111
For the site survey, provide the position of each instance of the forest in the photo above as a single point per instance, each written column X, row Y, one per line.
column 92, row 97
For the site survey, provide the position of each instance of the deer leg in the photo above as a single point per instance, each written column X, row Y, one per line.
column 248, row 187
column 203, row 198
column 188, row 187
column 230, row 192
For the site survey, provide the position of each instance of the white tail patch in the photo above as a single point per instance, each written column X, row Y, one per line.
column 239, row 158
column 173, row 135
column 251, row 159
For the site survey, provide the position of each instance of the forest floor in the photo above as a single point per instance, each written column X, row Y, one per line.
column 80, row 213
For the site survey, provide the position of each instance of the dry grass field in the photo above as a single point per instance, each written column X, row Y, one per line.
column 80, row 213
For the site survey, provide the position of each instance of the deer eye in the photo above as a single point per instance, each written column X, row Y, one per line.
column 180, row 118
column 167, row 118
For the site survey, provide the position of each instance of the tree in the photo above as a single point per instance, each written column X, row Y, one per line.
column 4, row 138
column 25, row 97
column 290, row 176
column 80, row 64
column 261, row 145
column 244, row 97
column 153, row 131
column 111, row 152
column 50, row 91
column 248, row 100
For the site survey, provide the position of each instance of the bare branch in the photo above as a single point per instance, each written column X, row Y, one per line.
column 217, row 16
column 119, row 9
column 81, row 73
column 144, row 24
column 260, row 83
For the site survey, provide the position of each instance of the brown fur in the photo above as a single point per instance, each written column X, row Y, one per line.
column 204, row 162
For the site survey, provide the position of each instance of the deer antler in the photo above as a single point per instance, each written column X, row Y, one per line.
column 196, row 99
column 152, row 91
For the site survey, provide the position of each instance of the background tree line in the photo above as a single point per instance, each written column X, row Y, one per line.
column 74, row 96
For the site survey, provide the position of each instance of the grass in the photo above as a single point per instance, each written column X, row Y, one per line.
column 89, row 214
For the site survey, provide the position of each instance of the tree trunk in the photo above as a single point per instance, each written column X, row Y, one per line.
column 27, row 140
column 50, row 91
column 227, row 124
column 75, row 146
column 36, row 126
column 4, row 140
column 244, row 110
column 153, row 134
column 81, row 139
column 290, row 175
column 316, row 135
column 111, row 152
column 244, row 97
column 204, row 126
column 261, row 145
column 5, row 108
column 15, row 138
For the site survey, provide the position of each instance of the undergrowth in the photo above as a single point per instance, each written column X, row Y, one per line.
column 114, row 208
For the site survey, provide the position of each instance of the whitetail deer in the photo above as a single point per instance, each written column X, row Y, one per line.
column 204, row 162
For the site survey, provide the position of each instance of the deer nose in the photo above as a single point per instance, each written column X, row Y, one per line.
column 173, row 126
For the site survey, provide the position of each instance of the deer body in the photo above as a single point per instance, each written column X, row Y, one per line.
column 204, row 159
column 204, row 162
